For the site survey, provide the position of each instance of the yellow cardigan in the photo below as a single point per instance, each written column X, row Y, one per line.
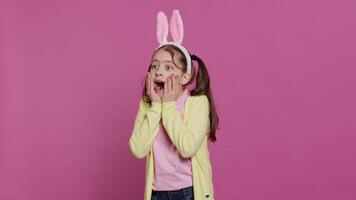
column 190, row 136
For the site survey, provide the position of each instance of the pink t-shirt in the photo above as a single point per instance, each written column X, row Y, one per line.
column 171, row 171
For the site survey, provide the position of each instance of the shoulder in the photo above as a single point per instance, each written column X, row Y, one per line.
column 197, row 108
column 197, row 102
column 200, row 99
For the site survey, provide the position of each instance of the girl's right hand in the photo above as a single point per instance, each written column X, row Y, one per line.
column 152, row 94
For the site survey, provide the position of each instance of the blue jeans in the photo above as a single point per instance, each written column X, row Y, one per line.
column 182, row 194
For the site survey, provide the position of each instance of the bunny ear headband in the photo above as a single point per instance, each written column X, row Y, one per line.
column 177, row 32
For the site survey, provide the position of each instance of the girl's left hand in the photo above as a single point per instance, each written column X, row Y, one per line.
column 171, row 89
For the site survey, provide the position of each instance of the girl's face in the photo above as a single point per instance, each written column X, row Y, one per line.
column 162, row 67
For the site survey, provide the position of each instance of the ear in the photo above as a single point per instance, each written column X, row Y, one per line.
column 162, row 27
column 176, row 27
column 185, row 78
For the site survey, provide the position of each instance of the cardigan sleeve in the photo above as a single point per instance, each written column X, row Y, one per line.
column 187, row 137
column 145, row 128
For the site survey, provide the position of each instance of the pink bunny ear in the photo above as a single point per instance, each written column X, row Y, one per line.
column 162, row 27
column 176, row 27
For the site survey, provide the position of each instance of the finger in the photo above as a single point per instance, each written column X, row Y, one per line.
column 165, row 90
column 148, row 86
column 178, row 81
column 168, row 84
column 172, row 82
column 175, row 86
column 152, row 82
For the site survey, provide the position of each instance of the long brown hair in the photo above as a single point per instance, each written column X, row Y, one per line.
column 202, row 85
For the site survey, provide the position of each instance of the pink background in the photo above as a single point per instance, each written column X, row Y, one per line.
column 283, row 74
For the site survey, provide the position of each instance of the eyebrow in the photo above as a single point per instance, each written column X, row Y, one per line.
column 163, row 61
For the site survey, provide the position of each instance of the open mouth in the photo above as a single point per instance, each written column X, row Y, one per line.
column 159, row 84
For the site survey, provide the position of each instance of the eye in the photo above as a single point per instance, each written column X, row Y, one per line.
column 154, row 66
column 169, row 67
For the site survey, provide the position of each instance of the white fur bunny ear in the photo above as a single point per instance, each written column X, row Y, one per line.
column 162, row 27
column 176, row 27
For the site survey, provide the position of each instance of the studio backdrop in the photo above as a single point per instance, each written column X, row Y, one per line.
column 283, row 76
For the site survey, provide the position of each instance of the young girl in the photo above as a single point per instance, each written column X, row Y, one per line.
column 173, row 124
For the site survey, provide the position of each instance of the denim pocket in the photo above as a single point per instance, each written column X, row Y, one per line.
column 188, row 193
column 153, row 195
